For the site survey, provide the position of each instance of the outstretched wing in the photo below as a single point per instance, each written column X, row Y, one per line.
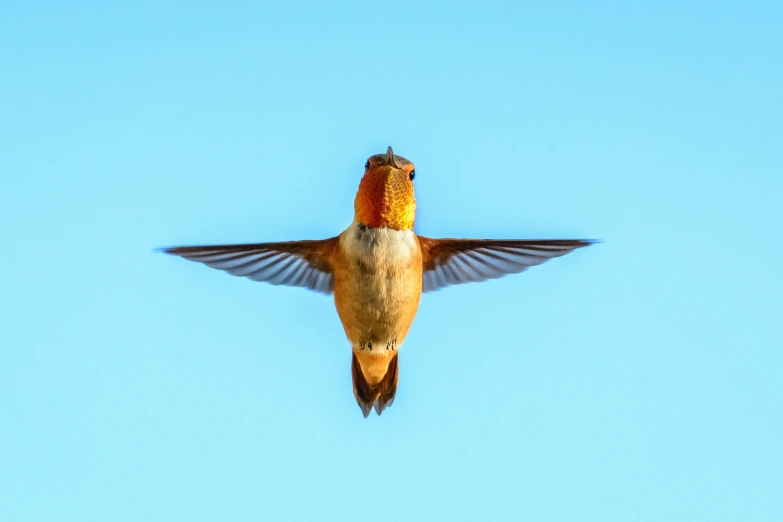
column 457, row 261
column 293, row 263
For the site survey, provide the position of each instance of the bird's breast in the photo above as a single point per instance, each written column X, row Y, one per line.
column 377, row 286
column 379, row 248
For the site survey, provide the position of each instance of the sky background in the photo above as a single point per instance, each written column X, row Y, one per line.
column 636, row 380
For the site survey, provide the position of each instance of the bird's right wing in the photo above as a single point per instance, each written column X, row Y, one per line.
column 293, row 263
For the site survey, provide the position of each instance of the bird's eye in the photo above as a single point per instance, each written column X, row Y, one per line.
column 367, row 165
column 412, row 174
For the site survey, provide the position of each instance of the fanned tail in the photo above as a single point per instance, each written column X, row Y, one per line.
column 381, row 395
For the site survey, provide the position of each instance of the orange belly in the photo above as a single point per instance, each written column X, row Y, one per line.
column 377, row 288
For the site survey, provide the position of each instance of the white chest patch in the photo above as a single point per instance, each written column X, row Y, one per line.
column 373, row 246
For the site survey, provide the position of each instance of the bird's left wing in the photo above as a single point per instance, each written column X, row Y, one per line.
column 293, row 263
column 457, row 261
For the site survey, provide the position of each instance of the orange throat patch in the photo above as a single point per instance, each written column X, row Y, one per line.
column 385, row 199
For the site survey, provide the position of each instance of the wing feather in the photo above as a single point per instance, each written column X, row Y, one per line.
column 457, row 261
column 294, row 263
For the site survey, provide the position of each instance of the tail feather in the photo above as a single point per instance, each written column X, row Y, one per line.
column 388, row 387
column 381, row 395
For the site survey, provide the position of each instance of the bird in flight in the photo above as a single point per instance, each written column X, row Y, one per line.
column 377, row 270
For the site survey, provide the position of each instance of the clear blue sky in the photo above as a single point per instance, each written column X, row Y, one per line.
column 639, row 379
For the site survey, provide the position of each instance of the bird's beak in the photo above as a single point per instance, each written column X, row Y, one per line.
column 390, row 158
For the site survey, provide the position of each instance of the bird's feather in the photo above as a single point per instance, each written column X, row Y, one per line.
column 293, row 263
column 456, row 261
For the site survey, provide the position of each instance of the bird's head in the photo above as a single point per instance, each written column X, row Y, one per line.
column 385, row 196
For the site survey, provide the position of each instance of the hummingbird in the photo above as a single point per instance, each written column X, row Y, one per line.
column 377, row 270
